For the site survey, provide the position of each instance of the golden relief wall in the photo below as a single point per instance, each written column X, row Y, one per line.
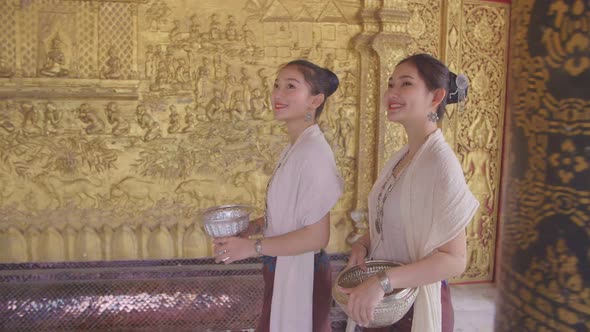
column 119, row 120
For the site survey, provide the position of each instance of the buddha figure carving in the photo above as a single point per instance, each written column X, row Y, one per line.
column 55, row 61
column 112, row 70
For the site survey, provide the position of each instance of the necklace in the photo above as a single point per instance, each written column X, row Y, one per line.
column 384, row 193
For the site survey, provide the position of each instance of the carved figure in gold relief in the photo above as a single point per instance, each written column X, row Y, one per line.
column 171, row 68
column 202, row 77
column 238, row 107
column 51, row 119
column 349, row 84
column 477, row 166
column 259, row 107
column 183, row 75
column 55, row 61
column 249, row 37
column 89, row 116
column 157, row 14
column 30, row 119
column 247, row 85
column 149, row 62
column 120, row 126
column 5, row 70
column 173, row 120
column 112, row 70
column 195, row 29
column 230, row 84
column 266, row 82
column 215, row 106
column 330, row 61
column 147, row 122
column 175, row 34
column 214, row 28
column 231, row 30
column 344, row 132
column 191, row 120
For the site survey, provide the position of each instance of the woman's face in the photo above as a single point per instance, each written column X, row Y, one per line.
column 291, row 96
column 407, row 99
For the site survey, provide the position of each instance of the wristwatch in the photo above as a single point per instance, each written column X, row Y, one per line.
column 384, row 281
column 258, row 247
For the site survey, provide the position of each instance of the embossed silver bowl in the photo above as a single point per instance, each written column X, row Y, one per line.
column 392, row 307
column 226, row 220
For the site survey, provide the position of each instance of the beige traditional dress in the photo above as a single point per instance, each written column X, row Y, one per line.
column 429, row 205
column 305, row 186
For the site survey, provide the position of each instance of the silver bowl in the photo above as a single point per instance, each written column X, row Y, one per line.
column 226, row 220
column 392, row 307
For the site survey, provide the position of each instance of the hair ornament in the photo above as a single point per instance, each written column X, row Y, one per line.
column 458, row 86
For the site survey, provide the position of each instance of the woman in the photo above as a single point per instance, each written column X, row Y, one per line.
column 301, row 192
column 419, row 206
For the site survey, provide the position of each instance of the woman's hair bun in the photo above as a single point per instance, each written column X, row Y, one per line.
column 331, row 80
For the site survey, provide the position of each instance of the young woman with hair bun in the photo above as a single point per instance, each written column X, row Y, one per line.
column 419, row 206
column 303, row 189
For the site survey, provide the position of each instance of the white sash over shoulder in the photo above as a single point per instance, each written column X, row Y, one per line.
column 303, row 190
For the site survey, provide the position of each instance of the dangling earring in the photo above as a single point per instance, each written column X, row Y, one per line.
column 307, row 117
column 433, row 117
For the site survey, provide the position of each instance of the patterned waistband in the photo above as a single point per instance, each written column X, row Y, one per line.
column 321, row 259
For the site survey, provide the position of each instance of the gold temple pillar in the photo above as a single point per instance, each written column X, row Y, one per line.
column 544, row 277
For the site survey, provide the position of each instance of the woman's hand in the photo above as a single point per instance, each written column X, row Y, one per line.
column 231, row 249
column 358, row 253
column 363, row 299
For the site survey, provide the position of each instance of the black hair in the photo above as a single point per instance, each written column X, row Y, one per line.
column 320, row 79
column 436, row 75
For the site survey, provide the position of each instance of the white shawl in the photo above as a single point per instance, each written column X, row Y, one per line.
column 304, row 189
column 436, row 206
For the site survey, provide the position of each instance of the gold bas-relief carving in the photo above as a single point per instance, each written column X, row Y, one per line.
column 120, row 120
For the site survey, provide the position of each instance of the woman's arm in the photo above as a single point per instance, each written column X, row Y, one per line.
column 447, row 261
column 309, row 238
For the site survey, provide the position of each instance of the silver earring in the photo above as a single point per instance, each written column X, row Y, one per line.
column 307, row 117
column 433, row 117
